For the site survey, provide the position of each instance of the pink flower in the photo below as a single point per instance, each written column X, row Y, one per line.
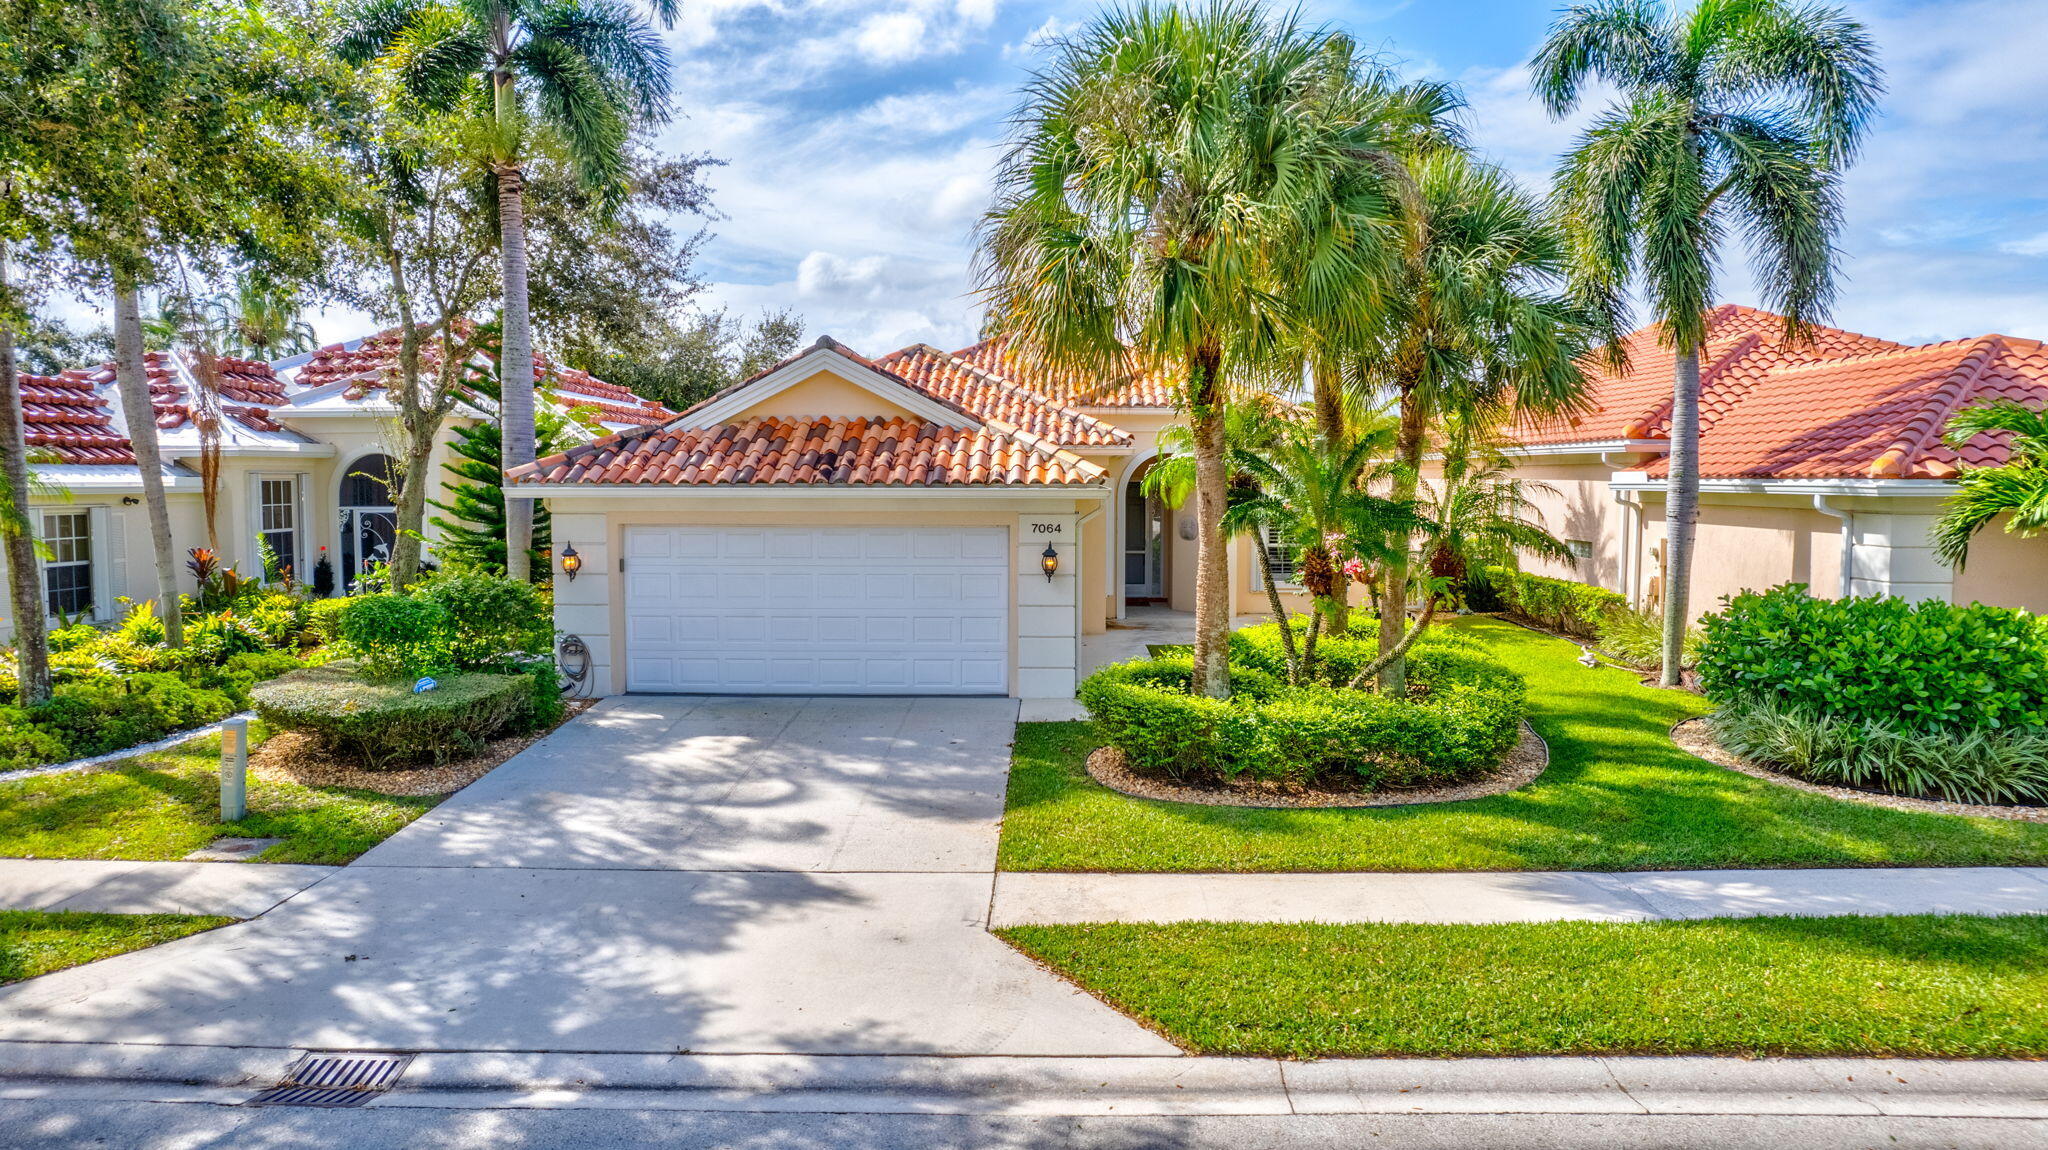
column 1354, row 568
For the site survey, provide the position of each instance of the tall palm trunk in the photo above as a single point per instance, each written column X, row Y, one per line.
column 419, row 432
column 24, row 575
column 1329, row 404
column 131, row 377
column 1393, row 674
column 1681, row 510
column 1212, row 493
column 515, row 357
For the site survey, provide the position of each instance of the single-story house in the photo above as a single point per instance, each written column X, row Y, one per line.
column 306, row 457
column 1821, row 462
column 923, row 522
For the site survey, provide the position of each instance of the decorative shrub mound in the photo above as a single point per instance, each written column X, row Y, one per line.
column 1927, row 666
column 1927, row 699
column 1462, row 715
column 385, row 724
column 1561, row 604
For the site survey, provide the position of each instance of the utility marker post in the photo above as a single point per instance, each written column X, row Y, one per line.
column 234, row 770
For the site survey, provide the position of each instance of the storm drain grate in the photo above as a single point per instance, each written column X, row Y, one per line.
column 334, row 1079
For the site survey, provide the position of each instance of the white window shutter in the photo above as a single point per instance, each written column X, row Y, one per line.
column 117, row 556
column 100, row 529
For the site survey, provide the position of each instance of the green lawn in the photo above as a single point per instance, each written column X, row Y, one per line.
column 1915, row 986
column 34, row 942
column 1618, row 796
column 167, row 805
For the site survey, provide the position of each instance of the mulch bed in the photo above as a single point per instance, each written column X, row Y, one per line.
column 1526, row 760
column 1696, row 737
column 291, row 757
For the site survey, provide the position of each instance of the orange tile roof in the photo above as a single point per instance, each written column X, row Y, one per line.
column 1839, row 405
column 1136, row 388
column 368, row 364
column 70, row 415
column 987, row 395
column 817, row 452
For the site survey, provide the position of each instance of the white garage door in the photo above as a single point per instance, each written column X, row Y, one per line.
column 818, row 610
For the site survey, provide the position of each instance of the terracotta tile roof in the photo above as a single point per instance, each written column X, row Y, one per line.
column 368, row 363
column 1135, row 389
column 68, row 416
column 1875, row 416
column 1742, row 344
column 71, row 415
column 990, row 396
column 817, row 452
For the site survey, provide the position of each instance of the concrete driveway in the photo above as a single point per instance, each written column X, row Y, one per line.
column 661, row 875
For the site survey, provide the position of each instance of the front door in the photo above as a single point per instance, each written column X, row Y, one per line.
column 1144, row 543
column 369, row 518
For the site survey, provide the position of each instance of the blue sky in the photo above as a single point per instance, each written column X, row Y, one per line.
column 860, row 135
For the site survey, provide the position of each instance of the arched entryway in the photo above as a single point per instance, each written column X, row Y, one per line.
column 369, row 517
column 1143, row 541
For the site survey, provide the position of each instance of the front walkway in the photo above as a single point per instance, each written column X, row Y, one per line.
column 661, row 875
column 1047, row 898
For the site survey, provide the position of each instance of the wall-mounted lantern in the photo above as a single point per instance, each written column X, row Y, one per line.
column 571, row 562
column 1049, row 562
column 129, row 501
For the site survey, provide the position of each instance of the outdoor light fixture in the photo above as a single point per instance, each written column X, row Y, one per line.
column 129, row 501
column 571, row 562
column 1049, row 562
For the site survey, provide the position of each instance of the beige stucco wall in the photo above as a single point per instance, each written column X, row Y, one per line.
column 1045, row 652
column 1574, row 503
column 824, row 394
column 2005, row 570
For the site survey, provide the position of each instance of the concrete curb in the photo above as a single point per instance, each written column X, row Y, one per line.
column 1126, row 1086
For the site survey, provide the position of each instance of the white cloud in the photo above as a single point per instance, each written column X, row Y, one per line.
column 2034, row 245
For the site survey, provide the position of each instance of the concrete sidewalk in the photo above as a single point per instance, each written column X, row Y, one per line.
column 238, row 890
column 1513, row 896
column 1129, row 1086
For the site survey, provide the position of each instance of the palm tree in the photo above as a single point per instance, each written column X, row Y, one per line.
column 1735, row 115
column 260, row 321
column 585, row 72
column 1479, row 514
column 1474, row 322
column 1171, row 169
column 2018, row 488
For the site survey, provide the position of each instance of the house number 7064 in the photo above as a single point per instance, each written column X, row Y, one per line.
column 1048, row 528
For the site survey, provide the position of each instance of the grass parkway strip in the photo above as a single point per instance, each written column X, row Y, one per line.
column 1618, row 796
column 34, row 942
column 1910, row 986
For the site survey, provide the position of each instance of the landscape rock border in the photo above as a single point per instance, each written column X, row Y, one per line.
column 1695, row 737
column 1525, row 761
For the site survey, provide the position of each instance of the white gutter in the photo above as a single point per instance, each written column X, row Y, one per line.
column 1881, row 488
column 1848, row 518
column 780, row 491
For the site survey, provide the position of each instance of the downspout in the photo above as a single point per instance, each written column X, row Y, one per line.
column 1631, row 518
column 1848, row 518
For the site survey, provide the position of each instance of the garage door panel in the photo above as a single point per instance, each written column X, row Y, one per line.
column 835, row 610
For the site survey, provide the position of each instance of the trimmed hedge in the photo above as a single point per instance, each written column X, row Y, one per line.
column 1561, row 604
column 1464, row 713
column 386, row 725
column 1925, row 667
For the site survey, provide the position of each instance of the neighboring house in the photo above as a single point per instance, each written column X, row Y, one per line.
column 1821, row 463
column 844, row 525
column 306, row 451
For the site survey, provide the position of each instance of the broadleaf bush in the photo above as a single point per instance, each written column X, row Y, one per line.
column 1462, row 715
column 1561, row 604
column 388, row 725
column 397, row 636
column 1916, row 666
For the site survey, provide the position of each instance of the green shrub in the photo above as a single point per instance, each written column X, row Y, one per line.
column 141, row 625
column 323, row 619
column 549, row 708
column 492, row 618
column 1637, row 638
column 240, row 674
column 1561, row 604
column 1926, row 667
column 218, row 637
column 1463, row 715
column 1339, row 658
column 1976, row 765
column 71, row 638
column 386, row 724
column 281, row 617
column 91, row 718
column 396, row 636
column 25, row 745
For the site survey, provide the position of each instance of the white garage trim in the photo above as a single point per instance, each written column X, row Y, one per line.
column 817, row 610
